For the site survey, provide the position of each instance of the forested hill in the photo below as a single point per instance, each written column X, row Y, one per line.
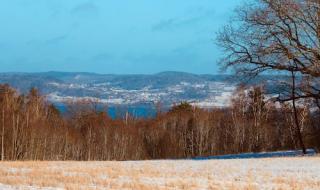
column 165, row 87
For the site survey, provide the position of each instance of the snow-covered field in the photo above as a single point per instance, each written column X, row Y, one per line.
column 266, row 173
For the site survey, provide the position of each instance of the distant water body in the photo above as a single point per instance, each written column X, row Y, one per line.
column 138, row 111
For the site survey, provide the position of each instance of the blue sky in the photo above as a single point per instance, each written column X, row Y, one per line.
column 111, row 36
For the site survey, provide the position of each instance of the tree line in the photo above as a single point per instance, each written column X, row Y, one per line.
column 33, row 129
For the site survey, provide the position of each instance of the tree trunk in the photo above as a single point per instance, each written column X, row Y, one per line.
column 295, row 112
column 2, row 136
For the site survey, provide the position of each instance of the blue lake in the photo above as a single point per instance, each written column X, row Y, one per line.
column 139, row 111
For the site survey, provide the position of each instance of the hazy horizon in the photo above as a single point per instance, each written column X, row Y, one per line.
column 101, row 73
column 126, row 37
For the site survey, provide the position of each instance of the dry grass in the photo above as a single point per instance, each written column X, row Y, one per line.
column 276, row 173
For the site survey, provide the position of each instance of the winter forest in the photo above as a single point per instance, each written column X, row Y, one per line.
column 33, row 129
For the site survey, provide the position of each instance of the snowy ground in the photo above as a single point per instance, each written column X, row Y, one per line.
column 265, row 173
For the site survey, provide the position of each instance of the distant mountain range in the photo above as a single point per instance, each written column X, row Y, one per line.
column 166, row 87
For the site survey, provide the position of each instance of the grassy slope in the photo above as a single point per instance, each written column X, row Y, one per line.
column 268, row 173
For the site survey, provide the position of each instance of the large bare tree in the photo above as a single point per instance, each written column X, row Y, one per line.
column 277, row 36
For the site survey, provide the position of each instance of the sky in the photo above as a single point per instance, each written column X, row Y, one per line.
column 112, row 36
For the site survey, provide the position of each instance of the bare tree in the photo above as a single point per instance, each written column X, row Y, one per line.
column 278, row 36
column 275, row 35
